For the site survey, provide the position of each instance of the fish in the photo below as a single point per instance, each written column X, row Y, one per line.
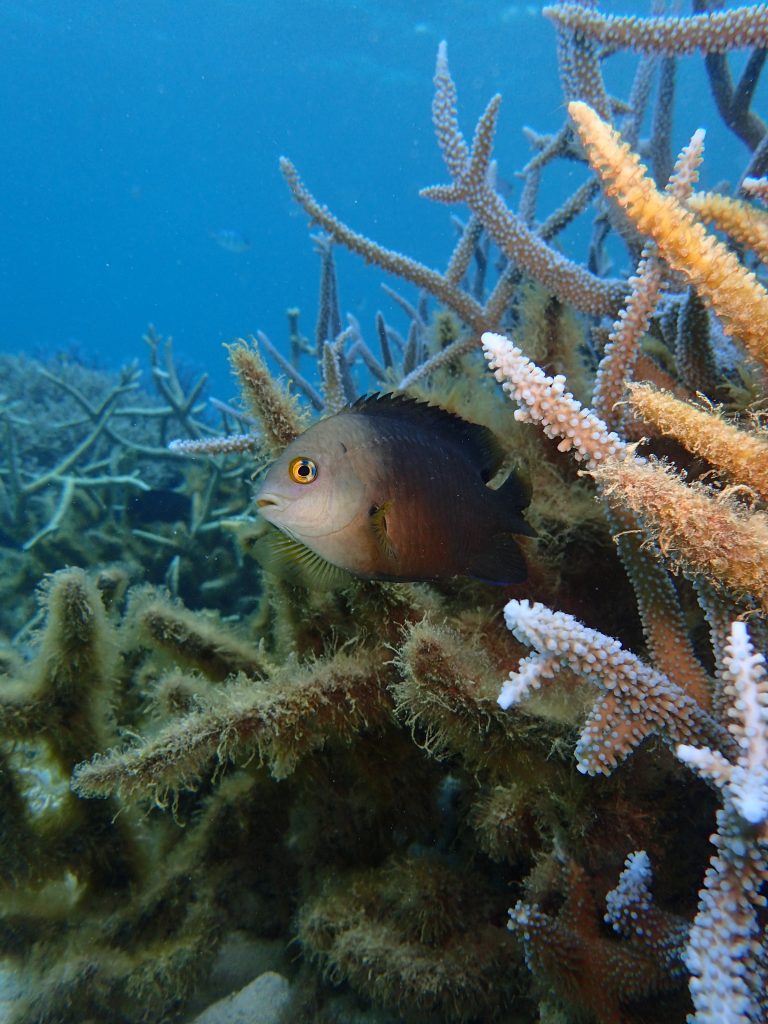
column 394, row 488
column 231, row 240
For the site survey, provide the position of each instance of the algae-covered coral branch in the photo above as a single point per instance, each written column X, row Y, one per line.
column 296, row 711
column 742, row 455
column 702, row 533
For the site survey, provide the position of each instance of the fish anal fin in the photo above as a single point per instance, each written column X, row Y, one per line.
column 290, row 560
column 500, row 562
column 377, row 517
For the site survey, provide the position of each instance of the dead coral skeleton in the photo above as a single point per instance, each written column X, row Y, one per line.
column 96, row 479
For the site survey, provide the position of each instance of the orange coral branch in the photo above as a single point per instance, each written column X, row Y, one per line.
column 742, row 222
column 735, row 294
column 742, row 455
column 704, row 536
column 618, row 363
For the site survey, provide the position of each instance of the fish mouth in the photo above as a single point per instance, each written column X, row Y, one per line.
column 269, row 505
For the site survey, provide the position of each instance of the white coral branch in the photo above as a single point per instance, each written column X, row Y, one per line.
column 638, row 700
column 544, row 400
column 745, row 782
column 727, row 953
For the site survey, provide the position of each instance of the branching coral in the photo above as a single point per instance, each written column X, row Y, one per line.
column 471, row 184
column 545, row 400
column 727, row 954
column 418, row 935
column 338, row 765
column 617, row 366
column 586, row 969
column 705, row 535
column 638, row 701
column 279, row 721
column 96, row 482
column 273, row 408
column 718, row 32
column 740, row 221
column 739, row 299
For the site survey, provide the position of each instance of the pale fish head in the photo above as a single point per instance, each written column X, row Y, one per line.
column 312, row 490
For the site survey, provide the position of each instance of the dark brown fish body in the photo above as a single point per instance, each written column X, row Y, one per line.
column 398, row 492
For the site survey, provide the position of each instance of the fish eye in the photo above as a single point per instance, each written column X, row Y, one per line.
column 302, row 471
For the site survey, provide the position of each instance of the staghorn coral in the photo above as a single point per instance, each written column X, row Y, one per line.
column 273, row 408
column 192, row 641
column 96, row 483
column 544, row 400
column 738, row 298
column 741, row 455
column 418, row 934
column 714, row 536
column 337, row 699
column 470, row 184
column 588, row 970
column 703, row 534
column 637, row 701
column 739, row 220
column 726, row 953
column 694, row 356
column 334, row 767
column 718, row 32
column 617, row 365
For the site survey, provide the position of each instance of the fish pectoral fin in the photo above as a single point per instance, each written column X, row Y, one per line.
column 378, row 519
column 290, row 560
column 501, row 561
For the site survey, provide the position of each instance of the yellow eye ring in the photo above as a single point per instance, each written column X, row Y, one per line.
column 302, row 471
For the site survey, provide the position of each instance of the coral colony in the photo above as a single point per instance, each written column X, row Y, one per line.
column 194, row 746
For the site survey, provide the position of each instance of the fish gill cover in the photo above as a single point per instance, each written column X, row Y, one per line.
column 414, row 806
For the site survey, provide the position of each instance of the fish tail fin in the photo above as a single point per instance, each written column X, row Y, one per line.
column 515, row 493
column 501, row 562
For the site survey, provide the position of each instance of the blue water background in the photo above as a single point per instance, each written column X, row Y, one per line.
column 132, row 130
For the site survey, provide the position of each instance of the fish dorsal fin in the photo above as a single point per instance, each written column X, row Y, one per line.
column 478, row 443
column 293, row 561
column 378, row 520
